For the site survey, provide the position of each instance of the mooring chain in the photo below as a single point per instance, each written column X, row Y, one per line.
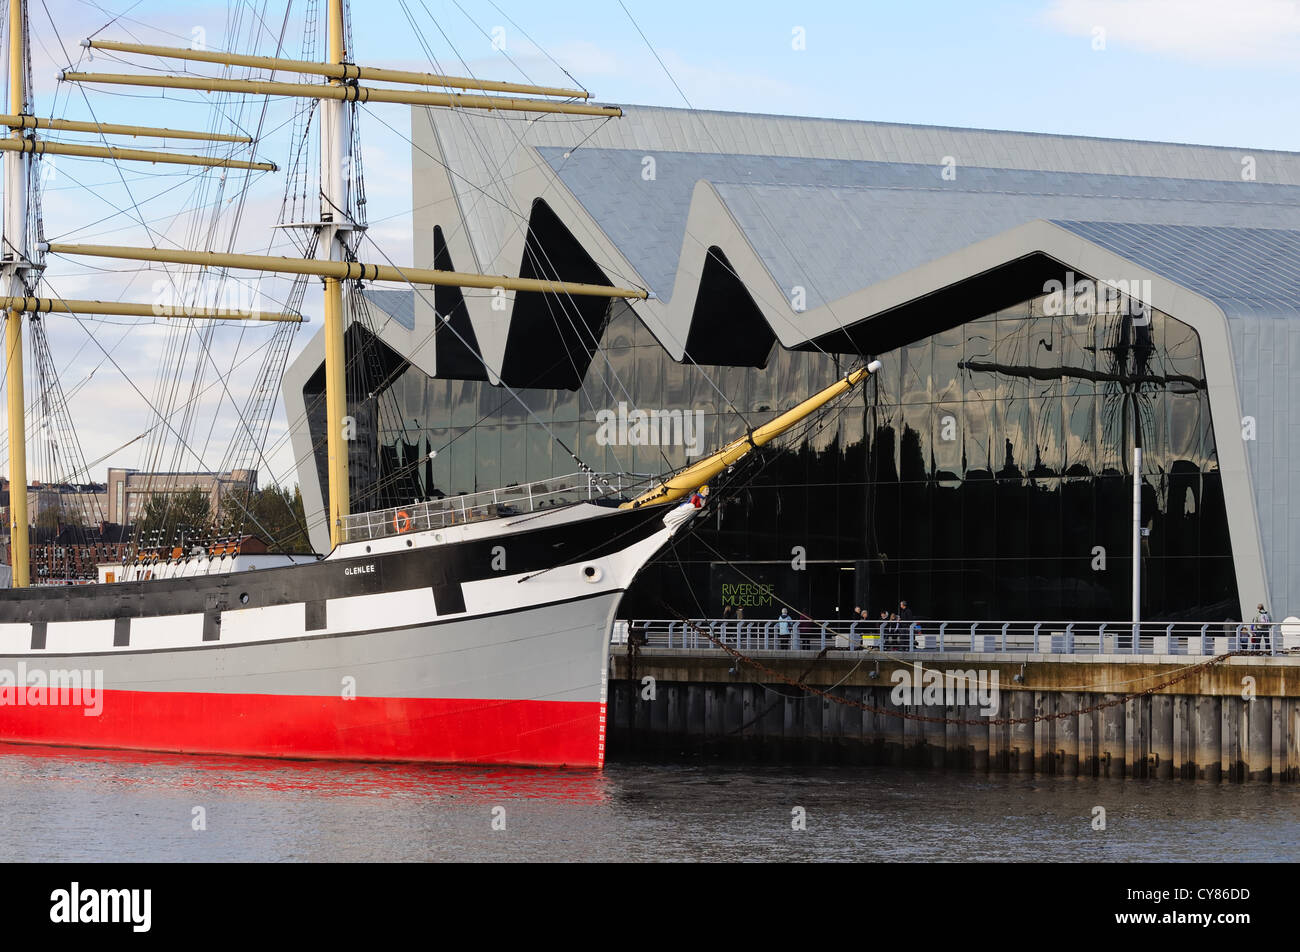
column 892, row 712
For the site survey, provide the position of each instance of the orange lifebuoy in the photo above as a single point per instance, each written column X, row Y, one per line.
column 401, row 521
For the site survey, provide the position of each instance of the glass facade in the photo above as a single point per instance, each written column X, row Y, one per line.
column 984, row 473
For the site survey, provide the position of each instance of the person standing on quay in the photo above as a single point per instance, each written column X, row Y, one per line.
column 1262, row 626
column 871, row 634
column 905, row 619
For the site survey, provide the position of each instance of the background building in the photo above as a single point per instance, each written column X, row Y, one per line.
column 73, row 505
column 51, row 505
column 985, row 473
column 129, row 490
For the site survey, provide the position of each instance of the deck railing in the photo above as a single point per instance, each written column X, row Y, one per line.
column 493, row 504
column 983, row 637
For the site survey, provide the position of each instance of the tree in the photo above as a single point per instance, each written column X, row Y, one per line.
column 50, row 517
column 171, row 513
column 273, row 513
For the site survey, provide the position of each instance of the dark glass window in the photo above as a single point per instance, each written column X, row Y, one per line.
column 984, row 473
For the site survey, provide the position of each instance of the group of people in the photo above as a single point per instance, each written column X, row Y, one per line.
column 891, row 630
column 895, row 621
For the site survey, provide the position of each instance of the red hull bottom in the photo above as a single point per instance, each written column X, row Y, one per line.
column 521, row 733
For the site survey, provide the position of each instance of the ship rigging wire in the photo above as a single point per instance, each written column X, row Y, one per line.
column 104, row 359
column 178, row 337
column 168, row 396
column 720, row 497
column 759, row 205
column 522, row 220
column 45, row 364
column 498, row 179
column 539, row 257
column 181, row 441
column 50, row 400
column 165, row 402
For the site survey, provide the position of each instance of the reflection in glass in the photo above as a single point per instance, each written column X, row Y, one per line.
column 978, row 475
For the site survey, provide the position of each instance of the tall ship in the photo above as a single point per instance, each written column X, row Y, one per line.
column 461, row 629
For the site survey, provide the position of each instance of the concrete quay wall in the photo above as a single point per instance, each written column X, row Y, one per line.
column 1236, row 720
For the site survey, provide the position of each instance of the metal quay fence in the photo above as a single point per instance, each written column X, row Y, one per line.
column 978, row 637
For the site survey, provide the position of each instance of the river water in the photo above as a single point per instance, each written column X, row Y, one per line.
column 101, row 806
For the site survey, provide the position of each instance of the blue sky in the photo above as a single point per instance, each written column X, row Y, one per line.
column 1200, row 71
column 1223, row 77
column 1207, row 71
column 1224, row 73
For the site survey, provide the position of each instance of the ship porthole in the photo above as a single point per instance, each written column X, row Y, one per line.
column 243, row 598
column 409, row 543
column 591, row 573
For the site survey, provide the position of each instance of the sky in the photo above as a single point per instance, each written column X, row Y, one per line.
column 1192, row 71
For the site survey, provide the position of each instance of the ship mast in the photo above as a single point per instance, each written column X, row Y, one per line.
column 335, row 148
column 14, row 263
column 336, row 261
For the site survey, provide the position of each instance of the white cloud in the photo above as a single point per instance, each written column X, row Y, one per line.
column 1204, row 30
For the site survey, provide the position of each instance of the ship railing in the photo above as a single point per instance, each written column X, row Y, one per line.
column 608, row 488
column 1097, row 638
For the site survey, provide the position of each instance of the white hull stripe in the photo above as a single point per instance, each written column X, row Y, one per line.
column 334, row 616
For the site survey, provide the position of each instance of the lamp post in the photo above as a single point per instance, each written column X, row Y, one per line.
column 1137, row 535
column 1137, row 317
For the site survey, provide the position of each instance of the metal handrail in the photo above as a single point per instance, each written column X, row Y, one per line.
column 1099, row 638
column 491, row 504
